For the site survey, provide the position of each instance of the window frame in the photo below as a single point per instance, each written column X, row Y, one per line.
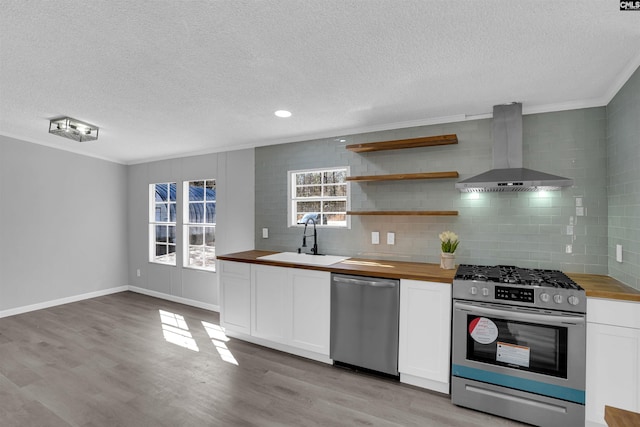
column 153, row 223
column 186, row 224
column 291, row 200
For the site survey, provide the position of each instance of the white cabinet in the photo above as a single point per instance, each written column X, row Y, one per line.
column 234, row 279
column 310, row 301
column 425, row 334
column 613, row 357
column 283, row 308
column 270, row 308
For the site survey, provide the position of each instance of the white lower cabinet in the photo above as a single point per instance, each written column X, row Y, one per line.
column 613, row 358
column 270, row 308
column 283, row 308
column 425, row 334
column 234, row 279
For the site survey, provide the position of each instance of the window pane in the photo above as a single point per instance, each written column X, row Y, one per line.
column 209, row 236
column 196, row 258
column 161, row 234
column 210, row 257
column 196, row 235
column 196, row 191
column 161, row 250
column 309, row 178
column 335, row 206
column 211, row 213
column 196, row 213
column 337, row 219
column 172, row 192
column 172, row 212
column 162, row 210
column 335, row 190
column 308, row 206
column 335, row 177
column 171, row 233
column 210, row 189
column 172, row 249
column 315, row 191
column 161, row 192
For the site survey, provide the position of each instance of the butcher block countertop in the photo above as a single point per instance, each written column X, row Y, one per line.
column 596, row 286
column 359, row 266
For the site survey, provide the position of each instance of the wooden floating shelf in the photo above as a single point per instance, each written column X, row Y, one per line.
column 404, row 176
column 405, row 213
column 427, row 141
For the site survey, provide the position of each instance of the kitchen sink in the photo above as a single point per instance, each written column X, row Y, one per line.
column 296, row 258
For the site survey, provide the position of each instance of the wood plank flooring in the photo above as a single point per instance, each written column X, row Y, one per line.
column 122, row 360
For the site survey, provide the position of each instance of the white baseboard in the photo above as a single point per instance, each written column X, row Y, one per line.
column 61, row 301
column 75, row 298
column 181, row 300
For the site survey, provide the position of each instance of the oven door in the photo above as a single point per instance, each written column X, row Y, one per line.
column 533, row 350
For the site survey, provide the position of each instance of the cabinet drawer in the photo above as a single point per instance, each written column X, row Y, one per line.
column 233, row 268
column 613, row 312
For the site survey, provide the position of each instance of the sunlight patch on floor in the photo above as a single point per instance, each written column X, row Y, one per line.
column 219, row 339
column 176, row 331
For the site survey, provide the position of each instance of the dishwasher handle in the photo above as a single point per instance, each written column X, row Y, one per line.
column 372, row 282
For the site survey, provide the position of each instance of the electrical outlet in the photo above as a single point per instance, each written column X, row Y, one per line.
column 375, row 238
column 569, row 249
column 391, row 238
column 265, row 233
column 138, row 272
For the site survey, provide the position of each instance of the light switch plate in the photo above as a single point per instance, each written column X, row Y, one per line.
column 391, row 238
column 619, row 253
column 375, row 238
column 265, row 233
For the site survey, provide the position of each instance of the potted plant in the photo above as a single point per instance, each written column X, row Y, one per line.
column 449, row 244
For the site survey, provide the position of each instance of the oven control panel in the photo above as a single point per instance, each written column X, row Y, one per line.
column 514, row 294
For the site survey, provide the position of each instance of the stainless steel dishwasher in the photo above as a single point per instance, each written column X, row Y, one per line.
column 364, row 322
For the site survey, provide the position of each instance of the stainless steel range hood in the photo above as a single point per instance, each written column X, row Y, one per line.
column 507, row 173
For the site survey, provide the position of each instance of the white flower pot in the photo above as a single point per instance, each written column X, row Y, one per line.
column 447, row 261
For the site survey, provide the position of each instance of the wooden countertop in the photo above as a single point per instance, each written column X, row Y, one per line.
column 599, row 286
column 358, row 266
column 616, row 417
column 595, row 285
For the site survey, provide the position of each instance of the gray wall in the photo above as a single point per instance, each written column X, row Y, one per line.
column 234, row 175
column 526, row 229
column 623, row 149
column 63, row 225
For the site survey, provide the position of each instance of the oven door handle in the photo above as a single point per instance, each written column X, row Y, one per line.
column 548, row 319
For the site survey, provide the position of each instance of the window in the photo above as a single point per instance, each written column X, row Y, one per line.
column 321, row 195
column 162, row 223
column 199, row 228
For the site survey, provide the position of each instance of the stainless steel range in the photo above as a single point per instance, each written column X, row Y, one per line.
column 519, row 341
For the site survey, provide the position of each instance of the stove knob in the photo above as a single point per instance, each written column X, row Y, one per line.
column 485, row 292
column 544, row 297
column 573, row 300
column 557, row 299
column 473, row 290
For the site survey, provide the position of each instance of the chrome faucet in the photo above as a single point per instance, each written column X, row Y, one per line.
column 314, row 249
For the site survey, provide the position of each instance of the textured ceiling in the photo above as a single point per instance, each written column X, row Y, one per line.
column 170, row 78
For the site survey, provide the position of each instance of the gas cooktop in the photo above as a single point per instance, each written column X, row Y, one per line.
column 516, row 276
column 531, row 287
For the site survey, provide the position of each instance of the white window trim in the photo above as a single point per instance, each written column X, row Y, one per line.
column 186, row 224
column 152, row 225
column 290, row 200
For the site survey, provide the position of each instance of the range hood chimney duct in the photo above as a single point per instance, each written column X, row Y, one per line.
column 507, row 173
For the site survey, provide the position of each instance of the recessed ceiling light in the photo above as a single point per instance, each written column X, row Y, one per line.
column 283, row 113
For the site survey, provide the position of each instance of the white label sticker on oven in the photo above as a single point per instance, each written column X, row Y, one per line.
column 483, row 330
column 513, row 354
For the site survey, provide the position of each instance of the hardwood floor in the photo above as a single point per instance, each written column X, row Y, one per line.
column 127, row 360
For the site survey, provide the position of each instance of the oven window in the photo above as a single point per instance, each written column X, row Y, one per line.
column 519, row 345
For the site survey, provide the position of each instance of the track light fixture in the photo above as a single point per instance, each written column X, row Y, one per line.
column 73, row 129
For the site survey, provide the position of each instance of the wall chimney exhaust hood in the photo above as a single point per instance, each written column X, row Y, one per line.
column 507, row 173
